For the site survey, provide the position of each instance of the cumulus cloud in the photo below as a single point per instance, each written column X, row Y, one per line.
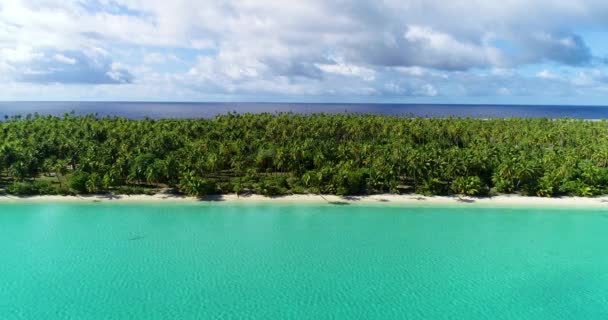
column 591, row 77
column 546, row 74
column 569, row 49
column 159, row 58
column 345, row 69
column 424, row 46
column 70, row 67
column 63, row 59
column 314, row 47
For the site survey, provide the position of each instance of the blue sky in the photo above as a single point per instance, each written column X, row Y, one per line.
column 418, row 51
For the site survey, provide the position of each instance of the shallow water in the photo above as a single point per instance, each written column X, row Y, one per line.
column 279, row 261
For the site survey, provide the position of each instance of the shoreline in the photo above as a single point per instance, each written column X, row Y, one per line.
column 389, row 199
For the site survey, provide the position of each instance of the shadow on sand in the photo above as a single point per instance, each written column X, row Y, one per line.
column 465, row 200
column 212, row 198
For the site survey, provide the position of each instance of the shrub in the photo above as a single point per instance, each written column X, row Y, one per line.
column 94, row 183
column 545, row 187
column 470, row 186
column 299, row 190
column 351, row 182
column 432, row 186
column 579, row 188
column 502, row 185
column 272, row 186
column 78, row 181
column 31, row 188
column 196, row 186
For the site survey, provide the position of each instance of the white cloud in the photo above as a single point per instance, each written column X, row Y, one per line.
column 590, row 78
column 230, row 66
column 546, row 74
column 341, row 68
column 446, row 50
column 63, row 59
column 412, row 71
column 159, row 58
column 401, row 47
column 335, row 25
column 20, row 54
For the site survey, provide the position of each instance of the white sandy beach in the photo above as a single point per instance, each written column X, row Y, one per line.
column 499, row 201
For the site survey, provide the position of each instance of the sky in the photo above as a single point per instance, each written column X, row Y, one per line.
column 394, row 51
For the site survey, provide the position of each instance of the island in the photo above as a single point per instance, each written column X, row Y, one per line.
column 273, row 154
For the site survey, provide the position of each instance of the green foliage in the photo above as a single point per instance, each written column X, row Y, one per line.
column 351, row 181
column 78, row 181
column 30, row 188
column 470, row 186
column 503, row 185
column 195, row 186
column 546, row 187
column 272, row 186
column 579, row 188
column 94, row 183
column 432, row 186
column 237, row 186
column 276, row 154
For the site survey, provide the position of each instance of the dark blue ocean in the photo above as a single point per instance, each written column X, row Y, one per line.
column 156, row 110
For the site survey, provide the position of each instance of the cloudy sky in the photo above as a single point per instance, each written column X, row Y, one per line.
column 435, row 51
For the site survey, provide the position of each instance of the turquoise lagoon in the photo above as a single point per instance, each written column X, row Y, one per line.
column 300, row 261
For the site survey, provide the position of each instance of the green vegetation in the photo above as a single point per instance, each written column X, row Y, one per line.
column 285, row 153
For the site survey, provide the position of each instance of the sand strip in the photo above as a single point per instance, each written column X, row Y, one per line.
column 499, row 201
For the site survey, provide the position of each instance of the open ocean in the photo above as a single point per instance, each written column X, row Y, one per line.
column 156, row 110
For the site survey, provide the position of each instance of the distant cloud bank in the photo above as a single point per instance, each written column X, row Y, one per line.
column 314, row 50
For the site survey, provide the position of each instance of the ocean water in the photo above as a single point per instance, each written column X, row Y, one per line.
column 138, row 110
column 280, row 261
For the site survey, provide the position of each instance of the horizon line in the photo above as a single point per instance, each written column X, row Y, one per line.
column 310, row 103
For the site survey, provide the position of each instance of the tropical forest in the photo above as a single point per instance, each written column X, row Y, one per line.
column 280, row 154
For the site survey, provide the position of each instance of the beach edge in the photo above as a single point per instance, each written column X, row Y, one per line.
column 409, row 199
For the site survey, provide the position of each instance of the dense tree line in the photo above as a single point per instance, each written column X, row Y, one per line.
column 274, row 154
